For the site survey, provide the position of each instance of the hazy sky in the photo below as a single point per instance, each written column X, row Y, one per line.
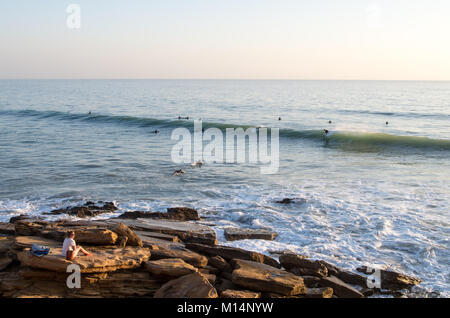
column 255, row 39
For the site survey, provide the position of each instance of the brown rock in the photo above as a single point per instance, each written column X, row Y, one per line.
column 285, row 201
column 230, row 293
column 234, row 234
column 323, row 292
column 87, row 210
column 318, row 272
column 186, row 231
column 340, row 288
column 5, row 261
column 189, row 286
column 224, row 284
column 123, row 230
column 230, row 253
column 101, row 260
column 303, row 265
column 96, row 236
column 311, row 281
column 393, row 280
column 7, row 228
column 177, row 213
column 261, row 277
column 352, row 278
column 188, row 256
column 170, row 267
column 220, row 263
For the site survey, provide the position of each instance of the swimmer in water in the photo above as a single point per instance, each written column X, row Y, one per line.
column 329, row 121
column 279, row 118
column 156, row 131
column 387, row 123
column 326, row 132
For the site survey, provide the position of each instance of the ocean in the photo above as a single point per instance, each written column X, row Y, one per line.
column 376, row 191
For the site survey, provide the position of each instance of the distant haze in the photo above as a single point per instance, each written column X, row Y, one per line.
column 233, row 39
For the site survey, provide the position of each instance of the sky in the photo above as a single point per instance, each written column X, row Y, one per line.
column 227, row 39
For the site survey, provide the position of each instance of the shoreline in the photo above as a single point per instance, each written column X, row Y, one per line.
column 170, row 254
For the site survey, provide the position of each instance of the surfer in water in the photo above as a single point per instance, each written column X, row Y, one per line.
column 326, row 131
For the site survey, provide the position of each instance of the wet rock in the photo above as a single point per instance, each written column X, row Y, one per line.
column 87, row 210
column 220, row 263
column 285, row 201
column 186, row 231
column 186, row 255
column 170, row 267
column 340, row 288
column 261, row 277
column 132, row 238
column 229, row 253
column 323, row 292
column 189, row 286
column 101, row 260
column 230, row 293
column 177, row 213
column 302, row 265
column 234, row 234
column 392, row 280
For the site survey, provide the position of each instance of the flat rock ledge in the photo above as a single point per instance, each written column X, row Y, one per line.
column 234, row 234
column 101, row 260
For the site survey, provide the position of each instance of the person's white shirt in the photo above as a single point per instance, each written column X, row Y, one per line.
column 68, row 245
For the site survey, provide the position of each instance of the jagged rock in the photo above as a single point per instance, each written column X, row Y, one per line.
column 230, row 293
column 170, row 267
column 220, row 263
column 189, row 286
column 285, row 201
column 186, row 231
column 392, row 280
column 340, row 288
column 302, row 265
column 186, row 255
column 234, row 234
column 101, row 260
column 261, row 277
column 177, row 213
column 323, row 292
column 7, row 228
column 123, row 230
column 230, row 253
column 87, row 210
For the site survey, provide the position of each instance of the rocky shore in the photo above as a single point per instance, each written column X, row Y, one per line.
column 168, row 254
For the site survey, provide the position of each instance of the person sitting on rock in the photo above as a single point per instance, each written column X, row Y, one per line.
column 70, row 249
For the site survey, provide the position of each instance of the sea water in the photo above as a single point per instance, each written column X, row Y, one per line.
column 377, row 191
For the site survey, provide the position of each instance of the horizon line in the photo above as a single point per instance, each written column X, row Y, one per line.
column 231, row 79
